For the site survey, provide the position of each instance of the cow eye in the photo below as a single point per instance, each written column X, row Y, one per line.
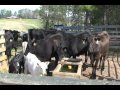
column 83, row 39
column 98, row 39
column 65, row 50
column 95, row 39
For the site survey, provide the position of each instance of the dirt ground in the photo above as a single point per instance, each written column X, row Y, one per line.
column 111, row 71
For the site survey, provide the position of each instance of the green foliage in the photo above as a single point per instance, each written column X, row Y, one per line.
column 80, row 14
column 5, row 13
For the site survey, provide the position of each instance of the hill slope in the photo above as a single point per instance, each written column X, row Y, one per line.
column 19, row 24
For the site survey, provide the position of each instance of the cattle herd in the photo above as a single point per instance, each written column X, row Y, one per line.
column 40, row 45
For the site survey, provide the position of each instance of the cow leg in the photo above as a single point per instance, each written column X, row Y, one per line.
column 56, row 60
column 86, row 57
column 94, row 70
column 20, row 69
column 8, row 55
column 91, row 59
column 25, row 69
column 74, row 56
column 84, row 64
column 103, row 64
column 15, row 50
column 100, row 62
column 8, row 59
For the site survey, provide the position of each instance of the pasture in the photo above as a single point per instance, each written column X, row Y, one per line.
column 20, row 24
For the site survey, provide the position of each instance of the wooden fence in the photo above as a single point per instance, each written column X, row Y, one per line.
column 3, row 57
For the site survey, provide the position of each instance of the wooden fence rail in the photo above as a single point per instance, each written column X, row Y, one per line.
column 3, row 57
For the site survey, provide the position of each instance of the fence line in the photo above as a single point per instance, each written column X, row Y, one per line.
column 3, row 57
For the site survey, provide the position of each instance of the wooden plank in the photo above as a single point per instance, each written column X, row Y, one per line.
column 114, row 36
column 3, row 58
column 117, row 67
column 4, row 66
column 105, row 72
column 115, row 43
column 79, row 71
column 1, row 36
column 112, row 68
column 115, row 47
column 71, row 63
column 57, row 71
column 57, row 68
column 2, row 49
column 2, row 32
column 2, row 40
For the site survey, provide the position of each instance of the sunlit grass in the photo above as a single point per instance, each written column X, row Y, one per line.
column 20, row 24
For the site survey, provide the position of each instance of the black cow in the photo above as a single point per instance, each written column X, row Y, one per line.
column 17, row 64
column 44, row 49
column 76, row 44
column 16, row 36
column 9, row 43
column 36, row 34
column 49, row 32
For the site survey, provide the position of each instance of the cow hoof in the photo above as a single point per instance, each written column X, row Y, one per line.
column 93, row 77
column 102, row 69
column 84, row 66
column 98, row 68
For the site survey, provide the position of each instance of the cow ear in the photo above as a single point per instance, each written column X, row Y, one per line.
column 56, row 42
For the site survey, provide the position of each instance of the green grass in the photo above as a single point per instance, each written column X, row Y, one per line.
column 20, row 24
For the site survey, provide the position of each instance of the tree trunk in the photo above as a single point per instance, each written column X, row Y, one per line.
column 86, row 18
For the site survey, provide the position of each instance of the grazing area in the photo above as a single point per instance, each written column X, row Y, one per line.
column 19, row 24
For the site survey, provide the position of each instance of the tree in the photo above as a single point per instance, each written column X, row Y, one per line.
column 5, row 13
column 15, row 13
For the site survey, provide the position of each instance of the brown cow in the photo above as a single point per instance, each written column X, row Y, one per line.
column 104, row 43
column 98, row 50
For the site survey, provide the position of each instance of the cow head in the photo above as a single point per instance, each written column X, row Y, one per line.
column 44, row 67
column 14, row 67
column 97, row 40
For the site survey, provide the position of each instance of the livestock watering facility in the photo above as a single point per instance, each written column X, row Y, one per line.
column 61, row 56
